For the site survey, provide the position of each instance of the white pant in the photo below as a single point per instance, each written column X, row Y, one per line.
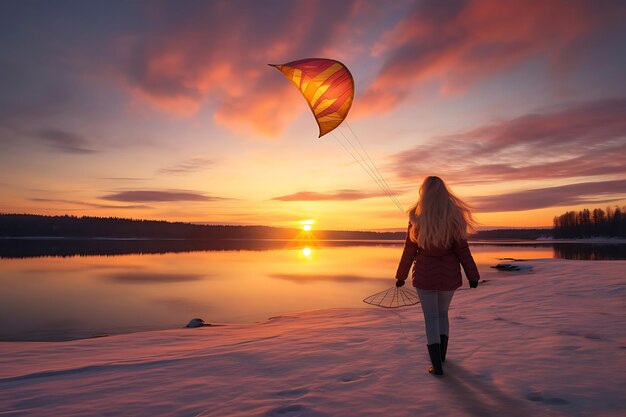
column 435, row 306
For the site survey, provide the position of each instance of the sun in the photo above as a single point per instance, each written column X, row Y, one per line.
column 307, row 225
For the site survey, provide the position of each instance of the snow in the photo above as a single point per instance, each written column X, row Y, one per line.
column 547, row 343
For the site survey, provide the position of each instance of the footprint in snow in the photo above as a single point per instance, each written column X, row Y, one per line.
column 537, row 396
column 353, row 376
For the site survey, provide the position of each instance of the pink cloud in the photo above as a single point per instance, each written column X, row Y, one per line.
column 457, row 44
column 216, row 53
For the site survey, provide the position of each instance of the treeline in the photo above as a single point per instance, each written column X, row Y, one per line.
column 590, row 223
column 531, row 234
column 29, row 225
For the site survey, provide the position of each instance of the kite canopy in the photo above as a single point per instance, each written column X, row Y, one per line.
column 326, row 85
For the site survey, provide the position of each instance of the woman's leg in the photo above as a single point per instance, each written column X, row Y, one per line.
column 443, row 303
column 444, row 298
column 429, row 302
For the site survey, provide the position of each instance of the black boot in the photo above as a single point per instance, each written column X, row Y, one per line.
column 434, row 351
column 444, row 346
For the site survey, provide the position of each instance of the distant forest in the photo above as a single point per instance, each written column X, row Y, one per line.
column 28, row 225
column 590, row 223
column 34, row 226
column 585, row 223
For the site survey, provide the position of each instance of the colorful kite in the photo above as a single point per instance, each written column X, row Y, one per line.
column 327, row 86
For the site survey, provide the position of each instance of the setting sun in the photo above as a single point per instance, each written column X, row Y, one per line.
column 307, row 224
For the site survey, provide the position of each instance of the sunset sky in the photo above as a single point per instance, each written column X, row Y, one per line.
column 168, row 110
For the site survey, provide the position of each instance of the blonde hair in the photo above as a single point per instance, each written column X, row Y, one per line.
column 439, row 217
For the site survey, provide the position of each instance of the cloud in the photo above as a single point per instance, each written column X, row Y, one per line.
column 565, row 195
column 339, row 195
column 64, row 141
column 309, row 278
column 124, row 178
column 585, row 139
column 218, row 51
column 456, row 44
column 159, row 196
column 152, row 278
column 85, row 204
column 188, row 166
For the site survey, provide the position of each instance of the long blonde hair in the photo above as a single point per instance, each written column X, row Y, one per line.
column 439, row 217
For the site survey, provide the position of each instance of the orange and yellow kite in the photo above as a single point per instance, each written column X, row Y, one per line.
column 326, row 85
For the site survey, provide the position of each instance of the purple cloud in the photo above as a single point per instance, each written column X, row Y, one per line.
column 339, row 195
column 159, row 196
column 587, row 139
column 565, row 195
column 64, row 141
column 188, row 166
column 85, row 204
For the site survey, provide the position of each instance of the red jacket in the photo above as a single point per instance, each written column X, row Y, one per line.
column 437, row 268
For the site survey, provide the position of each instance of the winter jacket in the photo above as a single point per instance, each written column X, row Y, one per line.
column 437, row 268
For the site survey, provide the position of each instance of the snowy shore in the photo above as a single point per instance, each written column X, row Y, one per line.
column 547, row 343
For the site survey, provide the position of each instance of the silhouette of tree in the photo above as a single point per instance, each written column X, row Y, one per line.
column 591, row 223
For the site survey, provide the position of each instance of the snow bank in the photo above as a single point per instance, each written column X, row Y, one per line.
column 547, row 343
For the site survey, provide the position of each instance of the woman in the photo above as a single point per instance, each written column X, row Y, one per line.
column 436, row 242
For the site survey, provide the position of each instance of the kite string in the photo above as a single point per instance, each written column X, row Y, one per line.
column 368, row 170
column 380, row 175
column 372, row 168
column 381, row 181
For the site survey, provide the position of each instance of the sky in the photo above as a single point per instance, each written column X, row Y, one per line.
column 168, row 110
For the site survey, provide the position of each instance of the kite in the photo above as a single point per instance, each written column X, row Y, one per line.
column 327, row 86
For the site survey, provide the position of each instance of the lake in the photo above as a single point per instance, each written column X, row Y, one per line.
column 64, row 289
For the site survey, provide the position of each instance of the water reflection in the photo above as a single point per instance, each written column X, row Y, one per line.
column 28, row 248
column 60, row 297
column 305, row 242
column 589, row 252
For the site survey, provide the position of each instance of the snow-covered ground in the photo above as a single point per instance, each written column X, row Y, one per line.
column 551, row 342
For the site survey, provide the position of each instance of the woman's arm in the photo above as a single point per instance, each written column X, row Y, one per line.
column 462, row 250
column 408, row 256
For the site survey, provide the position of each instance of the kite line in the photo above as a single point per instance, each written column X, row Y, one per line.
column 362, row 157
